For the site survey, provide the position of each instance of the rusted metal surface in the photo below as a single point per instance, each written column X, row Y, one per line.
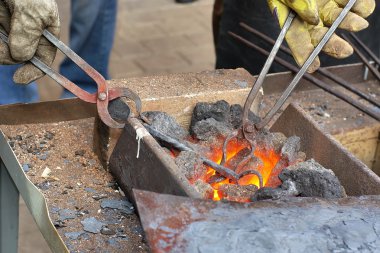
column 46, row 112
column 152, row 170
column 180, row 224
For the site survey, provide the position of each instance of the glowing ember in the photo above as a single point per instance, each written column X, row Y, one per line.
column 268, row 158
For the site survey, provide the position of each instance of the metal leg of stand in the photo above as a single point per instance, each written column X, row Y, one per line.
column 9, row 212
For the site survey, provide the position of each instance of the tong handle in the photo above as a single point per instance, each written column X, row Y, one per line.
column 79, row 92
column 87, row 68
column 268, row 63
column 299, row 74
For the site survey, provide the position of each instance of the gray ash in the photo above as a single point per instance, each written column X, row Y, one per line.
column 165, row 124
column 304, row 179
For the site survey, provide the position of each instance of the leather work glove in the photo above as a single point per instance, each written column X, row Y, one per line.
column 24, row 21
column 312, row 22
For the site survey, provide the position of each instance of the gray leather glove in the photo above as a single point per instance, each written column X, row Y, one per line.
column 24, row 21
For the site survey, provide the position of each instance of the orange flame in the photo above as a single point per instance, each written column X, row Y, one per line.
column 269, row 159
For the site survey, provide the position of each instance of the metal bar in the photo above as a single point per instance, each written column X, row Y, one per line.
column 322, row 71
column 366, row 49
column 9, row 212
column 230, row 174
column 306, row 65
column 224, row 171
column 348, row 86
column 244, row 161
column 317, row 82
column 362, row 57
column 260, row 80
column 95, row 75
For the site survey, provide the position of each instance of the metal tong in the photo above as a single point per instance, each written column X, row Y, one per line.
column 104, row 94
column 249, row 128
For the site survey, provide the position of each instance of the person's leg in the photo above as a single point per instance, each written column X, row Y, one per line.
column 10, row 92
column 92, row 30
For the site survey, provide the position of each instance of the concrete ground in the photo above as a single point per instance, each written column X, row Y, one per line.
column 153, row 37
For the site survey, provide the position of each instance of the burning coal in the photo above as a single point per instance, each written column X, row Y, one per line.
column 278, row 164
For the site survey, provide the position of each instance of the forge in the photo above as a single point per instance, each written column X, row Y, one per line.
column 222, row 164
column 155, row 169
column 61, row 139
column 196, row 224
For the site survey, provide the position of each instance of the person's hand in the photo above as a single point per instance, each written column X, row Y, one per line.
column 24, row 21
column 312, row 22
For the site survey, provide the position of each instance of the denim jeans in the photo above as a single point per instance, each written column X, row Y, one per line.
column 92, row 31
column 11, row 93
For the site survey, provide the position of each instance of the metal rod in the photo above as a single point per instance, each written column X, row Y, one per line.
column 348, row 86
column 317, row 82
column 366, row 49
column 233, row 135
column 224, row 171
column 305, row 66
column 362, row 57
column 244, row 161
column 321, row 71
column 259, row 81
column 95, row 75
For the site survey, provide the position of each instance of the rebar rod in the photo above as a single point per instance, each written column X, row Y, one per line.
column 366, row 49
column 312, row 79
column 362, row 57
column 321, row 71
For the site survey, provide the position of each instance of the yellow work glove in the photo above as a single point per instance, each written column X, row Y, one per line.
column 312, row 22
